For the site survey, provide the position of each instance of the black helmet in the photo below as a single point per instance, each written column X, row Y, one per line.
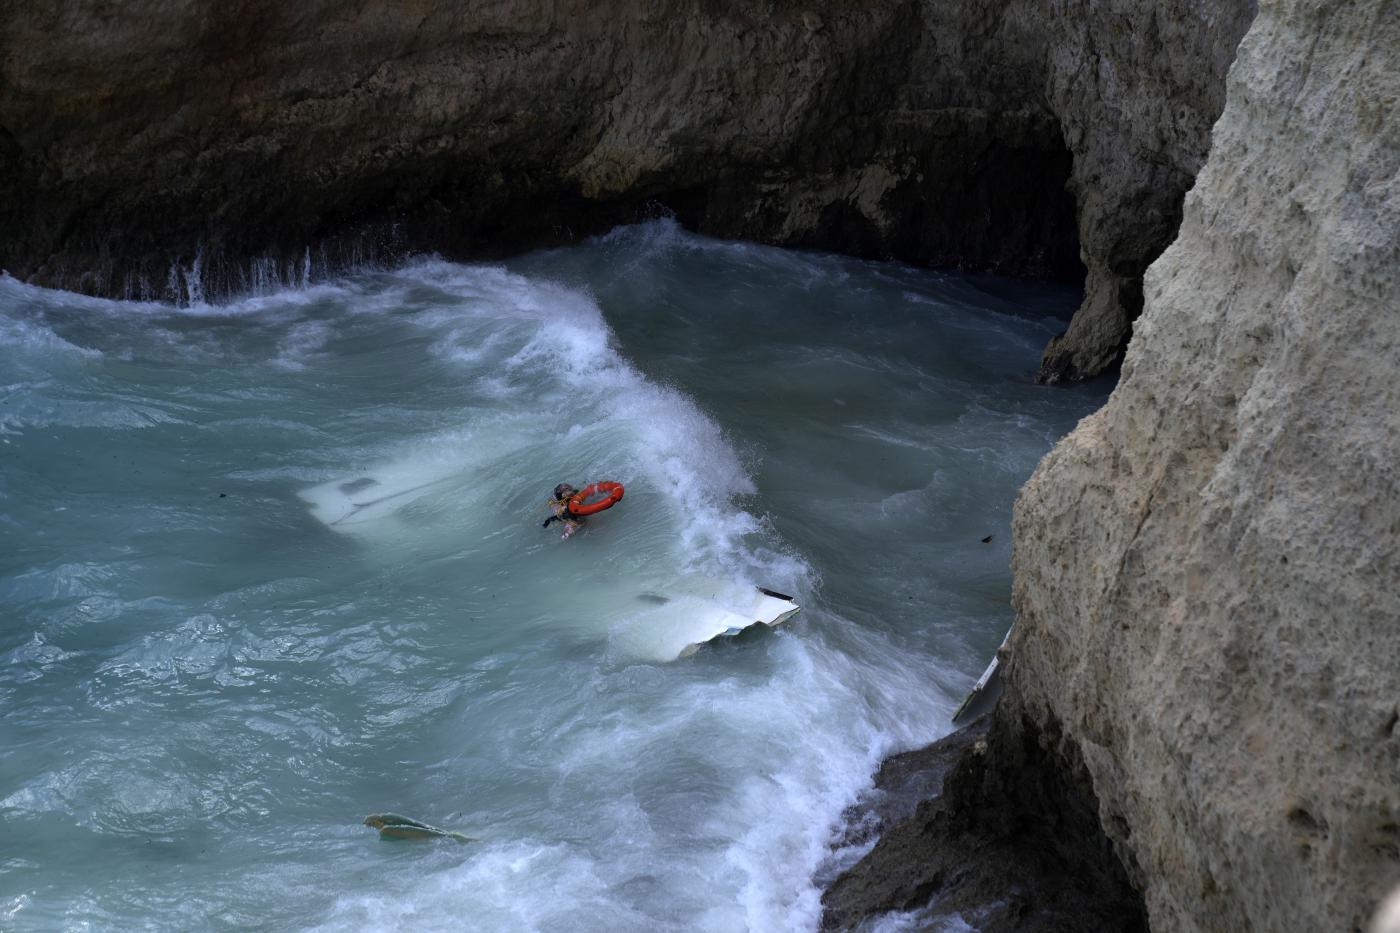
column 562, row 490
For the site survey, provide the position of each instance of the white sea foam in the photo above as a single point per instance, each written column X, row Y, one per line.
column 231, row 683
column 737, row 854
column 24, row 336
column 552, row 345
column 302, row 340
column 548, row 348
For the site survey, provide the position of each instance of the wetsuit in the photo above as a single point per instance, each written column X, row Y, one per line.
column 562, row 512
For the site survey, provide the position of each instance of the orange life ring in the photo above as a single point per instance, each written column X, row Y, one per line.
column 612, row 494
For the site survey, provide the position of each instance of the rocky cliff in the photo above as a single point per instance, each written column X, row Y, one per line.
column 1208, row 569
column 1136, row 87
column 186, row 148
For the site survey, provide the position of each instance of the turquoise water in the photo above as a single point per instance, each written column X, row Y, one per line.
column 209, row 675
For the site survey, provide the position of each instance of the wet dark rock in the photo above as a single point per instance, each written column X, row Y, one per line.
column 1012, row 841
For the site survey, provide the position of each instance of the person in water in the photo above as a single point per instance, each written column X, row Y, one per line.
column 563, row 494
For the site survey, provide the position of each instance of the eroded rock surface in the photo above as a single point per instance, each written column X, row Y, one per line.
column 1010, row 844
column 139, row 131
column 186, row 147
column 1136, row 87
column 1207, row 571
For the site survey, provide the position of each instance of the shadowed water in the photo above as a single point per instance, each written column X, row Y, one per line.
column 205, row 686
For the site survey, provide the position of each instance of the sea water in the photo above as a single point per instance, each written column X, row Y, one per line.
column 205, row 687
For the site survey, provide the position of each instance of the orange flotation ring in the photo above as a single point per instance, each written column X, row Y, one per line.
column 611, row 492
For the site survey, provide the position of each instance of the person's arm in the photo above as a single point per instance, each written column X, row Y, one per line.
column 561, row 512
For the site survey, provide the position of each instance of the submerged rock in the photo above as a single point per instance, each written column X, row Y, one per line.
column 394, row 826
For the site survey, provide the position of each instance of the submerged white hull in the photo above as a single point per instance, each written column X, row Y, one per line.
column 677, row 625
column 660, row 619
column 346, row 505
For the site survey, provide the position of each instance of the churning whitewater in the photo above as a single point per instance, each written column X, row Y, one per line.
column 210, row 676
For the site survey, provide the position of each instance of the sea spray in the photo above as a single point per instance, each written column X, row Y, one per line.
column 209, row 687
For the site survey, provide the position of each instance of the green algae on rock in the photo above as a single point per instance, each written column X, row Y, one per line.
column 394, row 826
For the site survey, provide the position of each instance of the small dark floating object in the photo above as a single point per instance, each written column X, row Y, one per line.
column 775, row 594
column 987, row 540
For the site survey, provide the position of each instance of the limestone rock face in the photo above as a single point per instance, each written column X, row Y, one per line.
column 1207, row 571
column 1136, row 87
column 183, row 146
